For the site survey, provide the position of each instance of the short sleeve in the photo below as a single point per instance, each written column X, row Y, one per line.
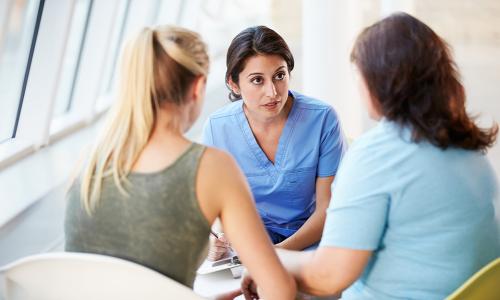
column 333, row 146
column 207, row 135
column 356, row 217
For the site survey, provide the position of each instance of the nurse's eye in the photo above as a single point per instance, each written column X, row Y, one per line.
column 257, row 80
column 280, row 76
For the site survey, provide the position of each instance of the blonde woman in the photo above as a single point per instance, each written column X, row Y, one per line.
column 148, row 194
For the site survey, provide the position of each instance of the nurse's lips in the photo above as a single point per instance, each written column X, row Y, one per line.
column 271, row 105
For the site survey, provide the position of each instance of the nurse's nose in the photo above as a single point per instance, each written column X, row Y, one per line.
column 271, row 90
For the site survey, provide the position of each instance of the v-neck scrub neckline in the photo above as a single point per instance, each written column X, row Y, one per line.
column 257, row 151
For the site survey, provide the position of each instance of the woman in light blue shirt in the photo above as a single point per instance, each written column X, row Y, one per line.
column 412, row 213
column 289, row 145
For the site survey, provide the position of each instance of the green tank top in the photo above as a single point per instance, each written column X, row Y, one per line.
column 160, row 225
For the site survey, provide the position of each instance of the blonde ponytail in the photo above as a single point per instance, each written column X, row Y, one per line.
column 151, row 72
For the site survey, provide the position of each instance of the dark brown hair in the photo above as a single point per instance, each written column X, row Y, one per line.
column 414, row 81
column 258, row 40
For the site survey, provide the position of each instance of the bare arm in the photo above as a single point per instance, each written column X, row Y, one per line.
column 327, row 270
column 223, row 192
column 312, row 229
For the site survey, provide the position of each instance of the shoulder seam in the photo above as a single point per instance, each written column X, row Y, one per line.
column 222, row 115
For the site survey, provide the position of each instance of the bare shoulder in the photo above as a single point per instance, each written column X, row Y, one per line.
column 220, row 172
column 217, row 161
column 219, row 179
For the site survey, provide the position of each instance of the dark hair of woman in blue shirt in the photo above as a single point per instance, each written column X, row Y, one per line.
column 258, row 40
column 417, row 83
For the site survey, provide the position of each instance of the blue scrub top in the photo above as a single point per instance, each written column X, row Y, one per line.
column 311, row 145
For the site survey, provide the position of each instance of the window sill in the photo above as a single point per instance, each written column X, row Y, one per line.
column 13, row 150
column 36, row 173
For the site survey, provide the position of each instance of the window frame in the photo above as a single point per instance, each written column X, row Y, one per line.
column 32, row 44
column 35, row 128
column 75, row 71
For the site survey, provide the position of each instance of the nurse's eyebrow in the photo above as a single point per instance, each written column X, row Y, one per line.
column 257, row 73
column 251, row 74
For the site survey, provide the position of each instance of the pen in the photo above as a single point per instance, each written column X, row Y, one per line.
column 215, row 234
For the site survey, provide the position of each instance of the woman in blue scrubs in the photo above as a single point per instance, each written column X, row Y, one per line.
column 289, row 145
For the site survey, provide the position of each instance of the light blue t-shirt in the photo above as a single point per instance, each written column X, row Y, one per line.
column 311, row 145
column 428, row 215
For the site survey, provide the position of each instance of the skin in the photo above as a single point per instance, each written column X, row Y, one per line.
column 371, row 105
column 326, row 270
column 222, row 192
column 263, row 85
column 323, row 272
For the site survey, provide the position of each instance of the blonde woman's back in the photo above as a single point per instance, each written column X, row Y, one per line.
column 158, row 225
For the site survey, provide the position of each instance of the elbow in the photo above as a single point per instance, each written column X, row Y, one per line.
column 321, row 281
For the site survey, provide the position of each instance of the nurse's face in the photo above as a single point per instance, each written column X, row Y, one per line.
column 263, row 85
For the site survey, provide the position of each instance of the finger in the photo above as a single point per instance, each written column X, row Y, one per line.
column 216, row 255
column 222, row 238
column 229, row 295
column 221, row 241
column 218, row 250
column 244, row 287
column 248, row 288
column 253, row 288
column 219, row 247
column 247, row 294
column 214, row 240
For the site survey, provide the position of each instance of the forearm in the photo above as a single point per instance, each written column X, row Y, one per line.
column 308, row 234
column 325, row 271
column 310, row 278
column 295, row 261
column 312, row 229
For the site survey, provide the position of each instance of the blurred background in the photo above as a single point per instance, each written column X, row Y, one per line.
column 58, row 72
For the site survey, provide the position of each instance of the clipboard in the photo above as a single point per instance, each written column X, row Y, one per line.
column 232, row 263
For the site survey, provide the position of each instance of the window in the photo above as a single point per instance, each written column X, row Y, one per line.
column 19, row 19
column 72, row 55
column 169, row 12
column 113, row 53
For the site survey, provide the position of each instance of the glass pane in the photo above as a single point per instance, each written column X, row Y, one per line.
column 114, row 49
column 16, row 36
column 169, row 12
column 74, row 45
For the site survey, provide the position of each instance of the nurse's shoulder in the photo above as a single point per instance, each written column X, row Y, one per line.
column 317, row 115
column 314, row 106
column 307, row 102
column 218, row 120
column 227, row 110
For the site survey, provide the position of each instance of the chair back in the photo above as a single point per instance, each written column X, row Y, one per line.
column 484, row 285
column 78, row 276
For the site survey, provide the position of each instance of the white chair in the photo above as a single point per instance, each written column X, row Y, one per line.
column 75, row 276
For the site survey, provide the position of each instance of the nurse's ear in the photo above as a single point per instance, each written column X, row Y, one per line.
column 233, row 86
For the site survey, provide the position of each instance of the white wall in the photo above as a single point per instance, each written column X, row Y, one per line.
column 472, row 28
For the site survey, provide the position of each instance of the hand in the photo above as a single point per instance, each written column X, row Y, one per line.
column 249, row 288
column 229, row 295
column 218, row 248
